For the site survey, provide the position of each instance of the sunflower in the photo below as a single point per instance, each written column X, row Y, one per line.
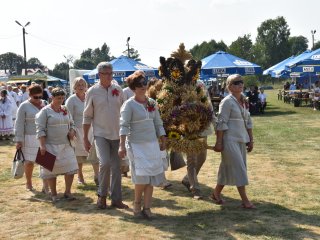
column 175, row 73
column 174, row 135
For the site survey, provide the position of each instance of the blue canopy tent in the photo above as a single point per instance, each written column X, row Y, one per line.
column 122, row 67
column 280, row 70
column 222, row 64
column 279, row 67
column 307, row 66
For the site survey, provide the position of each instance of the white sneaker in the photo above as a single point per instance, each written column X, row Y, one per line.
column 314, row 109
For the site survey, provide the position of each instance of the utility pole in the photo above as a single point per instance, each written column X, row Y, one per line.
column 68, row 58
column 312, row 33
column 128, row 39
column 24, row 45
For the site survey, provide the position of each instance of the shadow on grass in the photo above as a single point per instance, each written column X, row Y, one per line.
column 269, row 220
column 205, row 220
column 272, row 111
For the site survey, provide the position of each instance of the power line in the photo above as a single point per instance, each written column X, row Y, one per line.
column 10, row 37
column 53, row 43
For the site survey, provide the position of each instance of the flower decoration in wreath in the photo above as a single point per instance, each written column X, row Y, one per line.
column 174, row 135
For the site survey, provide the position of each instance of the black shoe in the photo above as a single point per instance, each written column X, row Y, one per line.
column 187, row 185
column 196, row 194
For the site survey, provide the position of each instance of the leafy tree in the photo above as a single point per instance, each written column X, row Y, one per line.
column 273, row 38
column 242, row 47
column 61, row 70
column 207, row 48
column 316, row 45
column 298, row 45
column 11, row 62
column 84, row 63
column 102, row 54
column 34, row 63
column 87, row 54
column 132, row 54
column 95, row 56
column 251, row 81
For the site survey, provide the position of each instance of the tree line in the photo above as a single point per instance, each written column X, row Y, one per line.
column 272, row 45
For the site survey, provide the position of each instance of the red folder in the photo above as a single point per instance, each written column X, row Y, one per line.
column 47, row 160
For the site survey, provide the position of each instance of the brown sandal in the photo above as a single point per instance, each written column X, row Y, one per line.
column 250, row 207
column 137, row 209
column 147, row 214
column 215, row 200
column 102, row 202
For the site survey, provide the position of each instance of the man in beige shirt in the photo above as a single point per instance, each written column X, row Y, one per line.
column 102, row 109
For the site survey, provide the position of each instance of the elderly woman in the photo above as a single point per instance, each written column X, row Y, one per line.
column 6, row 123
column 75, row 104
column 234, row 138
column 55, row 128
column 25, row 132
column 140, row 128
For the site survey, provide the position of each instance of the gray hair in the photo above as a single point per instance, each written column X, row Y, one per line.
column 76, row 82
column 104, row 65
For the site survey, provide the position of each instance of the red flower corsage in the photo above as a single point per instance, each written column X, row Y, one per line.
column 64, row 111
column 115, row 92
column 151, row 106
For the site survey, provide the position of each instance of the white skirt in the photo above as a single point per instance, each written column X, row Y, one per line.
column 30, row 147
column 65, row 163
column 6, row 126
column 147, row 158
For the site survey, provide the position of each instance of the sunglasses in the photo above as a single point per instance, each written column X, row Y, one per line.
column 237, row 82
column 142, row 83
column 106, row 73
column 37, row 97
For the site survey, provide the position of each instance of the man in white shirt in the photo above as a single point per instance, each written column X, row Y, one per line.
column 263, row 100
column 102, row 110
column 292, row 88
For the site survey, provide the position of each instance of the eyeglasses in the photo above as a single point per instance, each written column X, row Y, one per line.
column 237, row 82
column 37, row 97
column 106, row 73
column 142, row 83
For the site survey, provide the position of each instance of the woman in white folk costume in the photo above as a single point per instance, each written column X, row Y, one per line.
column 75, row 104
column 55, row 128
column 140, row 128
column 6, row 123
column 25, row 132
column 234, row 138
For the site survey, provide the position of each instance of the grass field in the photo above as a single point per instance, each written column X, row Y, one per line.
column 284, row 174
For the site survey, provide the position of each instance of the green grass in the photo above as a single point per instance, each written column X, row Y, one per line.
column 284, row 175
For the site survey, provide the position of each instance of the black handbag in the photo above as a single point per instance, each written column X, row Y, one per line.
column 176, row 161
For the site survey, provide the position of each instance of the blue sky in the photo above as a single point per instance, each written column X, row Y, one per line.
column 156, row 27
